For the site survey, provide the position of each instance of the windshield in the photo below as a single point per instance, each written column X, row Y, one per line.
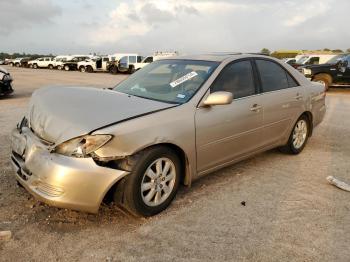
column 336, row 59
column 171, row 81
column 302, row 59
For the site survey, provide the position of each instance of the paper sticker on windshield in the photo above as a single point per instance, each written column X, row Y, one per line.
column 183, row 79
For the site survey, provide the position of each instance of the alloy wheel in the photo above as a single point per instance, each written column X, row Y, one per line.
column 158, row 182
column 300, row 133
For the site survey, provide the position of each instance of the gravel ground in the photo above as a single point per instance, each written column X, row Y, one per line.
column 291, row 213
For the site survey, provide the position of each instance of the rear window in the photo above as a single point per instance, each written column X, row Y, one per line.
column 273, row 77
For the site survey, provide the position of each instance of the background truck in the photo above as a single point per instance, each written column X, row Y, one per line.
column 114, row 63
column 156, row 56
column 72, row 63
column 42, row 62
column 335, row 72
column 94, row 64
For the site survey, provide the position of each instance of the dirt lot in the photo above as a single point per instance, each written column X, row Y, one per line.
column 291, row 213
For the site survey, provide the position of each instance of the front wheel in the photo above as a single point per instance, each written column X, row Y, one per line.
column 66, row 67
column 50, row 67
column 35, row 66
column 324, row 79
column 153, row 182
column 82, row 69
column 299, row 136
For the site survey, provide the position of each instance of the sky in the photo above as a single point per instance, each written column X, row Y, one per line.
column 187, row 26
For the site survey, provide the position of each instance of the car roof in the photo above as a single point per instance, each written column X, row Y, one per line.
column 217, row 57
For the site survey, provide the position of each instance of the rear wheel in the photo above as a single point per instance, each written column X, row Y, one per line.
column 31, row 66
column 82, row 69
column 17, row 64
column 51, row 67
column 324, row 79
column 66, row 67
column 153, row 182
column 299, row 136
column 59, row 67
column 35, row 66
column 89, row 69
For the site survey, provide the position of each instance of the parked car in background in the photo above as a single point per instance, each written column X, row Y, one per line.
column 2, row 62
column 94, row 64
column 59, row 60
column 335, row 72
column 42, row 62
column 5, row 82
column 156, row 56
column 159, row 128
column 127, row 64
column 20, row 62
column 311, row 60
column 290, row 61
column 112, row 66
column 72, row 63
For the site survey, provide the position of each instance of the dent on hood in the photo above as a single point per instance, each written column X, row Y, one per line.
column 57, row 114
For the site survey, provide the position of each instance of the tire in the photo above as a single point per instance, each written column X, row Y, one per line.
column 31, row 66
column 50, row 67
column 35, row 66
column 59, row 67
column 324, row 79
column 11, row 64
column 114, row 70
column 17, row 65
column 131, row 70
column 82, row 69
column 293, row 146
column 89, row 69
column 66, row 68
column 129, row 194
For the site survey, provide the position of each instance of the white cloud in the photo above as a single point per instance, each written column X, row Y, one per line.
column 139, row 17
column 302, row 12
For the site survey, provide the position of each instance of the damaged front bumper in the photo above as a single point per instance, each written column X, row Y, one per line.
column 61, row 181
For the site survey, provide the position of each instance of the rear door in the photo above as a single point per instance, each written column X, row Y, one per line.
column 282, row 100
column 227, row 132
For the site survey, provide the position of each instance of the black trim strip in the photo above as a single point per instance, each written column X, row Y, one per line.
column 130, row 118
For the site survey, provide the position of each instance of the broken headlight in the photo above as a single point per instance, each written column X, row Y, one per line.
column 82, row 146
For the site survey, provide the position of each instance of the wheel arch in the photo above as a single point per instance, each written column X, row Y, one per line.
column 186, row 172
column 310, row 117
column 325, row 74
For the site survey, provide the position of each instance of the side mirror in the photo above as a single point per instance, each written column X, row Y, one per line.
column 218, row 98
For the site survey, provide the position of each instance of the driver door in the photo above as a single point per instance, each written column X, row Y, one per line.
column 228, row 132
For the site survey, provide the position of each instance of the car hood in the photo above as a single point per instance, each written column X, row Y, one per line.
column 57, row 114
column 3, row 70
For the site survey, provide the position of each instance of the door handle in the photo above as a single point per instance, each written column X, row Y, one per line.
column 255, row 108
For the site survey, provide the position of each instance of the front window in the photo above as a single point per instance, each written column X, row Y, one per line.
column 302, row 59
column 170, row 81
column 336, row 59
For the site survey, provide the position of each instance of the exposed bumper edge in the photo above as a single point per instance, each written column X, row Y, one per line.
column 61, row 181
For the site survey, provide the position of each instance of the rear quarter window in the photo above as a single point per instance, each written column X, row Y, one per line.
column 273, row 76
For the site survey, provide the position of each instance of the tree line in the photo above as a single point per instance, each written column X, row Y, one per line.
column 16, row 55
column 294, row 53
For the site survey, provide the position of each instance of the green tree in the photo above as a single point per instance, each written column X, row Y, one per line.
column 337, row 51
column 326, row 49
column 265, row 51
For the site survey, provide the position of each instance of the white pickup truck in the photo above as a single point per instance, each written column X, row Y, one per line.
column 156, row 56
column 42, row 62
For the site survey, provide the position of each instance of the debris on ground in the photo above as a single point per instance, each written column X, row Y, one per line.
column 5, row 235
column 243, row 203
column 342, row 185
